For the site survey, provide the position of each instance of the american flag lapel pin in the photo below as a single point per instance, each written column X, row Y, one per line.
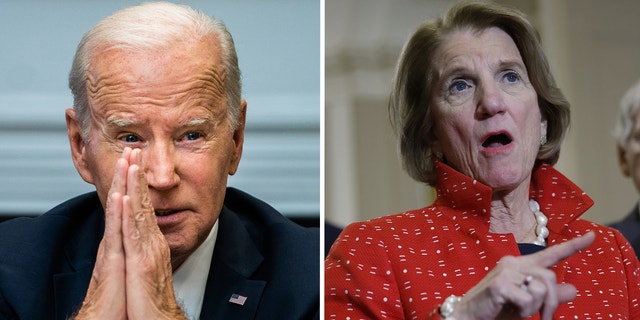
column 238, row 299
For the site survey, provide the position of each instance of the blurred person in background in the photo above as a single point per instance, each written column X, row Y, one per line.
column 627, row 134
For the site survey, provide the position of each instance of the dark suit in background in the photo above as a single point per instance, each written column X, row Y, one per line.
column 46, row 262
column 630, row 228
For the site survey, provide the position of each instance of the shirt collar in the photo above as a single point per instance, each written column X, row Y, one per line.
column 190, row 279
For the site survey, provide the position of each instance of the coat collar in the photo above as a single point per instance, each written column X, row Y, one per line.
column 559, row 198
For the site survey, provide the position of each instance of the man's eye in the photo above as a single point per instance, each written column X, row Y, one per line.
column 130, row 138
column 192, row 136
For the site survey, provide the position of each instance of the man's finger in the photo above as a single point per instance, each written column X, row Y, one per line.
column 131, row 235
column 140, row 191
column 119, row 182
column 112, row 238
column 135, row 157
column 139, row 215
column 126, row 154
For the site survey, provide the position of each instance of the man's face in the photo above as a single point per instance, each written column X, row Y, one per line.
column 170, row 104
column 629, row 157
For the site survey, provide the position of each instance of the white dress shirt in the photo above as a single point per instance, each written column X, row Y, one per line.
column 190, row 280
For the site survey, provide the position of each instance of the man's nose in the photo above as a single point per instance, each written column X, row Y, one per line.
column 160, row 167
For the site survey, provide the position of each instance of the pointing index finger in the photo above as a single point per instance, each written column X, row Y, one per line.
column 554, row 254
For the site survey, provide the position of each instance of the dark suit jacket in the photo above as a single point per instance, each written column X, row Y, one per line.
column 46, row 262
column 630, row 228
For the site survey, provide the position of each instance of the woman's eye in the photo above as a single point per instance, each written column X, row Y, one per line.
column 511, row 77
column 458, row 86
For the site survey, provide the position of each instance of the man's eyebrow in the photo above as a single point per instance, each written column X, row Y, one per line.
column 114, row 121
column 197, row 122
column 119, row 122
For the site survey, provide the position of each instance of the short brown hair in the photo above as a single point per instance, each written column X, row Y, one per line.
column 411, row 98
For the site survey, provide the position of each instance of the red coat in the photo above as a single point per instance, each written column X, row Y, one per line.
column 403, row 266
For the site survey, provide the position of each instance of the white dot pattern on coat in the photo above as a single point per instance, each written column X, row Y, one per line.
column 403, row 266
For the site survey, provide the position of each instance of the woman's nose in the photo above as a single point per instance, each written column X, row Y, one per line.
column 490, row 100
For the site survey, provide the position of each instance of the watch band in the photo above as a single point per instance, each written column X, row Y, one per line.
column 448, row 307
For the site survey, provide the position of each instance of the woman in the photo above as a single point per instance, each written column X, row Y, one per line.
column 479, row 117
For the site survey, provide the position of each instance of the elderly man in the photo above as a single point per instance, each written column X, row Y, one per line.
column 157, row 127
column 627, row 133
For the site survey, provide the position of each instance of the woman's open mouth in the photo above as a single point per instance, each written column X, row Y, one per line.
column 497, row 140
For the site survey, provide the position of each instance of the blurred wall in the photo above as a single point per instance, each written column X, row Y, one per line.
column 593, row 47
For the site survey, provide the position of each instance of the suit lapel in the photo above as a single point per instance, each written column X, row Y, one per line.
column 235, row 259
column 68, row 292
column 71, row 282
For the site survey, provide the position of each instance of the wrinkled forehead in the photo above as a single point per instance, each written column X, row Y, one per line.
column 470, row 42
column 182, row 61
column 179, row 72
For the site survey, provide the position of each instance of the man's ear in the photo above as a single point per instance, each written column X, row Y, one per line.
column 77, row 144
column 238, row 139
column 622, row 162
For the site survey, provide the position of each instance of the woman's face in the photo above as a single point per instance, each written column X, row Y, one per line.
column 487, row 120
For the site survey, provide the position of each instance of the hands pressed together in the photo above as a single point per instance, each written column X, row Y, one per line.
column 132, row 277
column 519, row 287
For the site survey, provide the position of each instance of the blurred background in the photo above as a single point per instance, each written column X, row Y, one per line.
column 278, row 45
column 594, row 51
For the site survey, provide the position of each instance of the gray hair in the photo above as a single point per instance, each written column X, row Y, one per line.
column 629, row 105
column 150, row 26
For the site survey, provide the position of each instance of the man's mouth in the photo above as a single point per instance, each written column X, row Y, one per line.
column 497, row 140
column 162, row 213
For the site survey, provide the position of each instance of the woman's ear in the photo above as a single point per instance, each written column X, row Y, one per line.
column 434, row 144
column 543, row 132
column 77, row 144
